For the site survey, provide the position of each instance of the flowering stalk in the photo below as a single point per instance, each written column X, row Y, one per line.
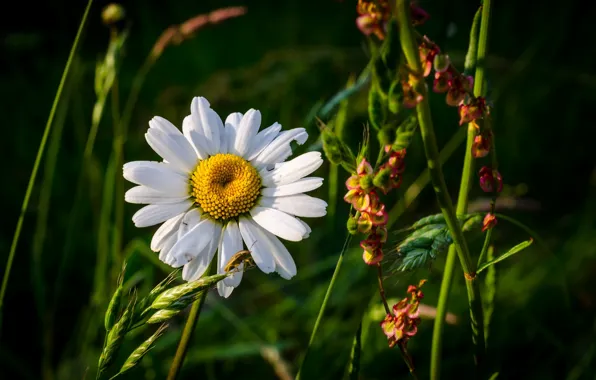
column 462, row 202
column 430, row 147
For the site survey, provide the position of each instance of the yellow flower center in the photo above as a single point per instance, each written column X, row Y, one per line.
column 225, row 186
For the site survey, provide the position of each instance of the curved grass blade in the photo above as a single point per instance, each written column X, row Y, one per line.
column 521, row 246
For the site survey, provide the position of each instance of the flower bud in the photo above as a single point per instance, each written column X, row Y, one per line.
column 490, row 220
column 112, row 13
column 480, row 146
column 352, row 225
column 382, row 179
column 441, row 63
column 488, row 182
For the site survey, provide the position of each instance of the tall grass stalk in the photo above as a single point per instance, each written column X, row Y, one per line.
column 38, row 158
column 479, row 47
column 410, row 49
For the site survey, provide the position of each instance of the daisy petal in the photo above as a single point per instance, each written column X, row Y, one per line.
column 167, row 229
column 167, row 246
column 155, row 214
column 191, row 244
column 188, row 222
column 224, row 290
column 245, row 132
column 262, row 139
column 147, row 195
column 299, row 205
column 306, row 227
column 284, row 263
column 258, row 250
column 231, row 243
column 278, row 223
column 301, row 186
column 291, row 171
column 173, row 147
column 198, row 266
column 208, row 123
column 195, row 137
column 280, row 148
column 158, row 176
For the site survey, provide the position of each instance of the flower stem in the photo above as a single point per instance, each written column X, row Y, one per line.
column 382, row 288
column 325, row 300
column 189, row 328
column 408, row 359
column 436, row 173
column 40, row 151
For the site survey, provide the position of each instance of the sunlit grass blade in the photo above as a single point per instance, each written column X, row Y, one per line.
column 38, row 158
column 518, row 248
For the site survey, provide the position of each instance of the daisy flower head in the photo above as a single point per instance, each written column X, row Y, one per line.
column 222, row 186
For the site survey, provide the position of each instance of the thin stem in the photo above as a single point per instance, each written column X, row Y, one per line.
column 430, row 147
column 408, row 359
column 189, row 327
column 382, row 289
column 325, row 300
column 40, row 151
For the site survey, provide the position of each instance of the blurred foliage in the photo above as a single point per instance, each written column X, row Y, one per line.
column 284, row 58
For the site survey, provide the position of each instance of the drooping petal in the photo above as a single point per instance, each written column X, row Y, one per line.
column 167, row 245
column 284, row 263
column 262, row 140
column 155, row 214
column 207, row 121
column 167, row 229
column 191, row 244
column 171, row 144
column 198, row 266
column 231, row 243
column 158, row 176
column 147, row 195
column 245, row 132
column 189, row 221
column 291, row 171
column 306, row 227
column 280, row 148
column 278, row 223
column 195, row 136
column 262, row 257
column 301, row 186
column 299, row 205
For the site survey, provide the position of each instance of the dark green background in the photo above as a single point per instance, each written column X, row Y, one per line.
column 282, row 57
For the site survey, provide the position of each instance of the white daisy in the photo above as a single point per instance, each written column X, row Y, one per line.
column 221, row 187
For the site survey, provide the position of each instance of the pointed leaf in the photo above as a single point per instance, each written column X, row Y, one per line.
column 511, row 252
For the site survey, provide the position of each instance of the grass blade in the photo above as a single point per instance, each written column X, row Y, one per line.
column 521, row 246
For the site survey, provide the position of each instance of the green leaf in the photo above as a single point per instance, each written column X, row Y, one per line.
column 416, row 258
column 511, row 252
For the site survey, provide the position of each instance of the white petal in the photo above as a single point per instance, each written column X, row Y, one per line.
column 191, row 244
column 262, row 140
column 299, row 205
column 189, row 221
column 301, row 186
column 261, row 256
column 167, row 229
column 155, row 214
column 167, row 246
column 198, row 266
column 246, row 132
column 224, row 290
column 158, row 176
column 280, row 148
column 278, row 223
column 307, row 227
column 284, row 263
column 293, row 170
column 173, row 147
column 147, row 195
column 209, row 122
column 231, row 125
column 231, row 243
column 163, row 125
column 195, row 137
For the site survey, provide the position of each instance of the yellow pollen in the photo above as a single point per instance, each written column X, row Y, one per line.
column 225, row 186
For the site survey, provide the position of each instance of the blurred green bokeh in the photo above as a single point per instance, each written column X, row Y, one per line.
column 282, row 58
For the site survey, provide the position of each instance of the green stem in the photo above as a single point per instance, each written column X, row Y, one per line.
column 325, row 300
column 189, row 327
column 430, row 147
column 40, row 151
